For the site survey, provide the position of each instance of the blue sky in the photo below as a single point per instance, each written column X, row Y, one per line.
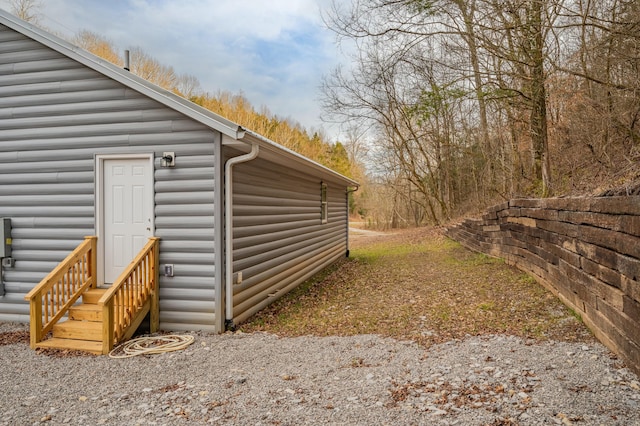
column 273, row 52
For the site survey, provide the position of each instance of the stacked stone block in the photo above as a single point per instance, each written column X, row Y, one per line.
column 585, row 250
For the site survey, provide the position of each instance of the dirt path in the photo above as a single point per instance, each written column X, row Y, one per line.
column 419, row 285
column 358, row 234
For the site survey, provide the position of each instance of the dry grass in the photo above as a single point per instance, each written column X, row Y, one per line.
column 419, row 285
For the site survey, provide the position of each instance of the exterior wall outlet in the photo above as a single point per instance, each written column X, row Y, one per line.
column 239, row 278
column 168, row 159
column 168, row 270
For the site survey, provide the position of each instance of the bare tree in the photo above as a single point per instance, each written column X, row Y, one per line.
column 187, row 86
column 27, row 10
column 600, row 128
column 149, row 68
column 406, row 87
column 446, row 56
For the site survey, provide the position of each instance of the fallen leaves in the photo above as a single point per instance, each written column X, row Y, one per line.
column 63, row 353
column 14, row 337
column 422, row 286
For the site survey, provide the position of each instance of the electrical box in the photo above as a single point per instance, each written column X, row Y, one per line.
column 168, row 270
column 5, row 237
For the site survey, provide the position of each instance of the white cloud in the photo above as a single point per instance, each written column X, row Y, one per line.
column 274, row 52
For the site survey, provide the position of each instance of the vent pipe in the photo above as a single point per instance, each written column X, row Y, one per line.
column 127, row 60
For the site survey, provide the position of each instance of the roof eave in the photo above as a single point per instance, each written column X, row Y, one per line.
column 304, row 162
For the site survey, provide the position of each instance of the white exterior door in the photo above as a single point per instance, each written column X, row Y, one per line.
column 127, row 209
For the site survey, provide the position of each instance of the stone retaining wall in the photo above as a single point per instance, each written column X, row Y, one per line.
column 585, row 250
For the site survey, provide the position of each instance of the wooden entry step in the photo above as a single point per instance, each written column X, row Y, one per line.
column 82, row 331
column 85, row 312
column 79, row 330
column 69, row 344
column 92, row 296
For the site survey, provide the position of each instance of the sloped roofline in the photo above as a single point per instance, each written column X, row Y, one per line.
column 165, row 97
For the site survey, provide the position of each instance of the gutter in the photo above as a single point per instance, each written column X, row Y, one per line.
column 289, row 154
column 228, row 230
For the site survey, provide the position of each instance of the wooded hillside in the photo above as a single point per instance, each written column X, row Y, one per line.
column 473, row 102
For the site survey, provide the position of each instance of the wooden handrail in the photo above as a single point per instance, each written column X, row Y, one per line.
column 57, row 292
column 133, row 293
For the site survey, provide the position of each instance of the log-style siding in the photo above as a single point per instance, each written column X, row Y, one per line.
column 55, row 116
column 279, row 239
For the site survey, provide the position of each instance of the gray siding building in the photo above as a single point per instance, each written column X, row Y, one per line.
column 87, row 148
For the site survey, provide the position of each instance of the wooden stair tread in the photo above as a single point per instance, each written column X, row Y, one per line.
column 86, row 307
column 92, row 296
column 71, row 344
column 79, row 330
column 86, row 311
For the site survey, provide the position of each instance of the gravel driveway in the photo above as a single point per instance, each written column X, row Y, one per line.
column 261, row 379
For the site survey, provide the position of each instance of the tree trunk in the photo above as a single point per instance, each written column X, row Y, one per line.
column 539, row 134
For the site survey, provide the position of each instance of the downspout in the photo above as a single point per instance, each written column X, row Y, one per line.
column 349, row 191
column 228, row 230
